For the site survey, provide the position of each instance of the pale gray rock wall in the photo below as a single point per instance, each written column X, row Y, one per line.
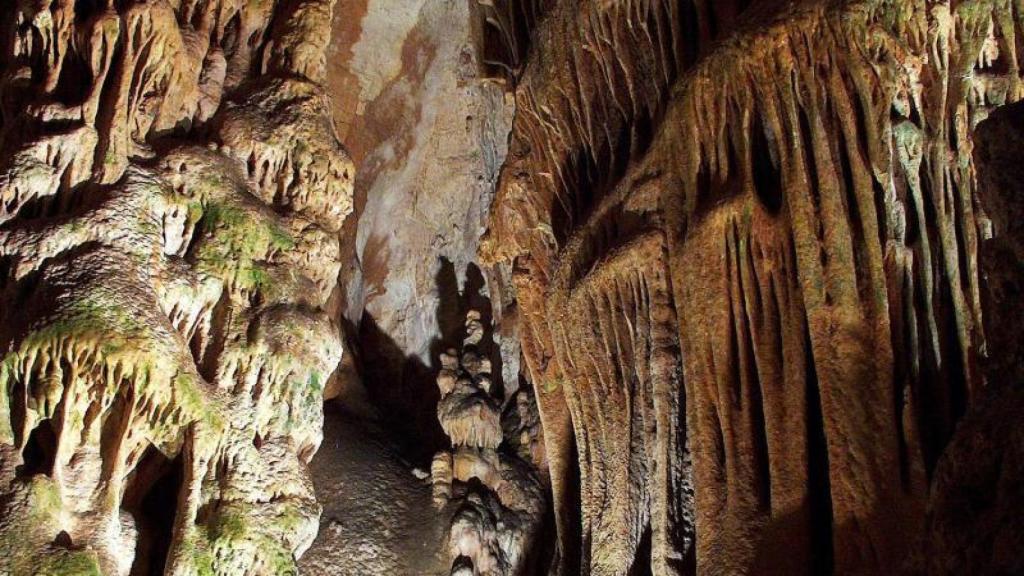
column 428, row 133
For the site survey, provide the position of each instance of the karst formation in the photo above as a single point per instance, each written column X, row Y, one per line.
column 511, row 287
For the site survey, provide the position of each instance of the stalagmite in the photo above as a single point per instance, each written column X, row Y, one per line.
column 496, row 521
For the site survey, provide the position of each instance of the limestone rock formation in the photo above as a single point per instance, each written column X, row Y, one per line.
column 497, row 492
column 172, row 186
column 428, row 131
column 745, row 237
column 737, row 285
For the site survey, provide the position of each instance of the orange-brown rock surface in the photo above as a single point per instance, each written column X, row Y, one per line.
column 746, row 238
column 736, row 285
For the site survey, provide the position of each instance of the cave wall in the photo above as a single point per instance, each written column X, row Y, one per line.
column 172, row 188
column 791, row 188
column 427, row 130
column 745, row 251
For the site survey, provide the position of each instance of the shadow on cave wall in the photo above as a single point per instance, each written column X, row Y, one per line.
column 403, row 388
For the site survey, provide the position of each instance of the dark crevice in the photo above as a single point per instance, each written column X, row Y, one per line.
column 574, row 557
column 818, row 482
column 206, row 347
column 642, row 565
column 152, row 499
column 40, row 450
column 764, row 159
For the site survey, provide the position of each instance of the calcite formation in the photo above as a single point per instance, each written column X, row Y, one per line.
column 736, row 282
column 172, row 188
column 745, row 237
column 493, row 485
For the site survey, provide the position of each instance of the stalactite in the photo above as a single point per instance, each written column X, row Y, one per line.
column 810, row 166
column 160, row 297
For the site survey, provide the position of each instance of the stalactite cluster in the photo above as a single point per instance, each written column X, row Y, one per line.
column 746, row 302
column 172, row 188
column 746, row 239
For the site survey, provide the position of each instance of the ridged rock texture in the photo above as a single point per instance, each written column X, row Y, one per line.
column 745, row 238
column 172, row 190
column 606, row 287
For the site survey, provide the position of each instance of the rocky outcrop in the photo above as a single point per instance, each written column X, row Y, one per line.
column 172, row 188
column 745, row 236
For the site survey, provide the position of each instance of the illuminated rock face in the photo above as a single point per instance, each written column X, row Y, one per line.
column 172, row 189
column 428, row 132
column 746, row 238
column 747, row 300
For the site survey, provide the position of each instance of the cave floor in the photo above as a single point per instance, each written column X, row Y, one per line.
column 378, row 518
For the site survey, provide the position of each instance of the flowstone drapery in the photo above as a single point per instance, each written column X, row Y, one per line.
column 767, row 213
